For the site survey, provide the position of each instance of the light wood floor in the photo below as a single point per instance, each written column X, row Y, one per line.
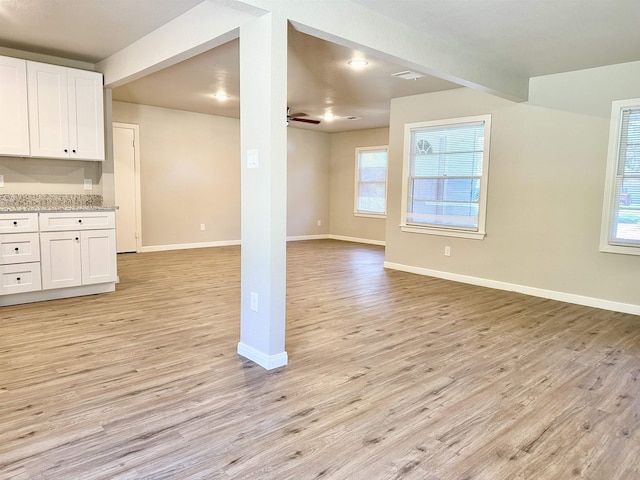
column 391, row 375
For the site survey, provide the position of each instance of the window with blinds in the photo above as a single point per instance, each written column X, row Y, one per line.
column 371, row 181
column 621, row 212
column 446, row 165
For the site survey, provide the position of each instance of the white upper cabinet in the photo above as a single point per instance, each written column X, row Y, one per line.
column 48, row 110
column 86, row 114
column 66, row 112
column 14, row 122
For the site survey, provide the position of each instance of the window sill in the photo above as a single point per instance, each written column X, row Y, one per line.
column 446, row 232
column 607, row 248
column 370, row 215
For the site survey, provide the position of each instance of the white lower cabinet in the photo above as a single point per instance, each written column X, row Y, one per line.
column 76, row 258
column 19, row 254
column 19, row 248
column 98, row 252
column 19, row 278
column 74, row 253
column 60, row 259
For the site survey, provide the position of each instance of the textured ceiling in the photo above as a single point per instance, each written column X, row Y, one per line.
column 319, row 81
column 530, row 37
column 85, row 30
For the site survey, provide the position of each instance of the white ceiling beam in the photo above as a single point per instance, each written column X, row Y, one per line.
column 352, row 25
column 205, row 26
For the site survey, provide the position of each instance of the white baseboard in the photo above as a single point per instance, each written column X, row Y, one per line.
column 308, row 237
column 268, row 362
column 56, row 293
column 512, row 287
column 186, row 246
column 226, row 243
column 357, row 240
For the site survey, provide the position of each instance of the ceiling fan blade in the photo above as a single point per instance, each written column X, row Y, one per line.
column 305, row 120
column 294, row 115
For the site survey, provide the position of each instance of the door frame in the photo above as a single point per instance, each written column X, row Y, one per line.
column 136, row 168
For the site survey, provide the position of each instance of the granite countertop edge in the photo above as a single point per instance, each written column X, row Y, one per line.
column 23, row 209
column 52, row 202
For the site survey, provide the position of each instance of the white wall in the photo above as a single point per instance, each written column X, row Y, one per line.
column 546, row 184
column 44, row 175
column 343, row 222
column 190, row 174
column 308, row 155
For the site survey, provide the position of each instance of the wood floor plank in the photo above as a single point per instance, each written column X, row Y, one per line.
column 391, row 376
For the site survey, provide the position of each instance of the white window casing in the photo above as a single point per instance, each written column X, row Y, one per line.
column 445, row 177
column 370, row 197
column 620, row 232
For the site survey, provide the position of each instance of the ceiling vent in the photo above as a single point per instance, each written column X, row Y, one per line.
column 407, row 75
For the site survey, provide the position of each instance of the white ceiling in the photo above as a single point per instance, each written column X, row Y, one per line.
column 530, row 37
column 85, row 30
column 319, row 81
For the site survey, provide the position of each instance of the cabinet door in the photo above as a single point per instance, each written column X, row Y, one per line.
column 14, row 122
column 86, row 115
column 60, row 259
column 48, row 110
column 98, row 256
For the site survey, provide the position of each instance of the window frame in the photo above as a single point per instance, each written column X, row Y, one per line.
column 611, row 203
column 364, row 213
column 445, row 230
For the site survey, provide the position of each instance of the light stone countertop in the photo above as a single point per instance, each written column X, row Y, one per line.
column 44, row 202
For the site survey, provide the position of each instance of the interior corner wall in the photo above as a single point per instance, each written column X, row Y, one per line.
column 308, row 183
column 342, row 186
column 545, row 193
column 190, row 174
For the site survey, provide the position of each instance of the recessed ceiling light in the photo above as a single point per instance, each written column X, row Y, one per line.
column 357, row 63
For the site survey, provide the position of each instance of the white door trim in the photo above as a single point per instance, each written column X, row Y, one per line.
column 136, row 159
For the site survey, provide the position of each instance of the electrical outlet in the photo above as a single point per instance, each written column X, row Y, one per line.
column 202, row 226
column 319, row 223
column 88, row 184
column 1, row 181
column 447, row 251
column 254, row 301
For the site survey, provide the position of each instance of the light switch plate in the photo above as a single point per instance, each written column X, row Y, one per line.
column 253, row 158
column 1, row 181
column 88, row 185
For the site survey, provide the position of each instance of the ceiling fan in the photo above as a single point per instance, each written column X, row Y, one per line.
column 297, row 117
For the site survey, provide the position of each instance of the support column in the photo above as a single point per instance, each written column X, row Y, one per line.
column 263, row 134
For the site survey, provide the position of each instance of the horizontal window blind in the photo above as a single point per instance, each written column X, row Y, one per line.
column 625, row 217
column 371, row 181
column 445, row 175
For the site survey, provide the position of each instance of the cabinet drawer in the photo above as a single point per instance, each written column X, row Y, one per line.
column 19, row 248
column 20, row 278
column 59, row 222
column 18, row 222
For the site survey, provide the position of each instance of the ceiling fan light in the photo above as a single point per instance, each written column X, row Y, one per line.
column 221, row 96
column 329, row 117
